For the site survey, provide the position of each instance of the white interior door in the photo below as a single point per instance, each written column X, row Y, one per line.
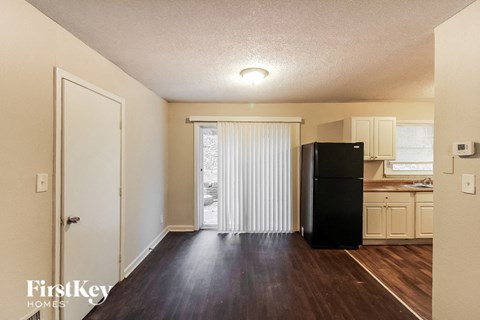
column 91, row 181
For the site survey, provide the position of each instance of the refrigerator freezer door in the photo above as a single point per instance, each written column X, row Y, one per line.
column 339, row 160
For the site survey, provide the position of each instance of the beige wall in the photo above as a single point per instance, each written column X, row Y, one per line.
column 30, row 46
column 323, row 122
column 456, row 254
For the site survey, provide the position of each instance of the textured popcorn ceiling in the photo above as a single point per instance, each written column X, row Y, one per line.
column 315, row 50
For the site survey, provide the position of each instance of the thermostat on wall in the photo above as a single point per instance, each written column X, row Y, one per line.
column 464, row 148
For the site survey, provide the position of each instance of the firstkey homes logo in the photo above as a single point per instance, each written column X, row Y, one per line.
column 76, row 288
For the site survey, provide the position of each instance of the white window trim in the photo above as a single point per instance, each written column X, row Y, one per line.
column 387, row 169
column 389, row 173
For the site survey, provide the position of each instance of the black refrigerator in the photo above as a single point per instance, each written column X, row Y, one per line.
column 331, row 196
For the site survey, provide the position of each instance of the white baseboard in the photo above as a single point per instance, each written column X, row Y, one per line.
column 181, row 228
column 175, row 228
column 145, row 252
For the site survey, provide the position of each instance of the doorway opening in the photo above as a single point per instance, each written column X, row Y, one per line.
column 208, row 177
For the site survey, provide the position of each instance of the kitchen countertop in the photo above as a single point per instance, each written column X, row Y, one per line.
column 392, row 186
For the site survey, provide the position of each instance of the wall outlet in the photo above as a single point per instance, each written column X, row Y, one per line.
column 468, row 183
column 42, row 182
column 161, row 219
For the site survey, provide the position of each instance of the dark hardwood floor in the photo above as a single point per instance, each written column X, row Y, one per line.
column 205, row 275
column 406, row 270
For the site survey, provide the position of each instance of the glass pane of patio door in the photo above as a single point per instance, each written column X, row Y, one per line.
column 210, row 177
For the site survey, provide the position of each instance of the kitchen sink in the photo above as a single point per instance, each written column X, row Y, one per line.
column 418, row 185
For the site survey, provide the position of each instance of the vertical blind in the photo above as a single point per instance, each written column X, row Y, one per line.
column 255, row 177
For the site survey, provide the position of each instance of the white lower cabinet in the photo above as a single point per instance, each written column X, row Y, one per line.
column 388, row 215
column 400, row 221
column 424, row 215
column 374, row 221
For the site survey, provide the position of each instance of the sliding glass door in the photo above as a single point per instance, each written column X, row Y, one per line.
column 246, row 175
column 255, row 177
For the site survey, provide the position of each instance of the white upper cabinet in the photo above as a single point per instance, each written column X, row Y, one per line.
column 362, row 131
column 385, row 138
column 377, row 133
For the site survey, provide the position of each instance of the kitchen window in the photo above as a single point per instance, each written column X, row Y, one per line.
column 414, row 150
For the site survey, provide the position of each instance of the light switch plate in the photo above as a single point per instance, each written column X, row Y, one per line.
column 42, row 182
column 468, row 183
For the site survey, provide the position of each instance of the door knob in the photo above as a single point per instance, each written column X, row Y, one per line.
column 72, row 220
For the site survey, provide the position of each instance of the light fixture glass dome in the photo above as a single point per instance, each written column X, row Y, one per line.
column 253, row 75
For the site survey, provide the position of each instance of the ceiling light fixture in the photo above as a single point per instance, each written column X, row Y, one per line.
column 253, row 75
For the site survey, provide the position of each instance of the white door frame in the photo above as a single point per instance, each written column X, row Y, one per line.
column 60, row 75
column 198, row 176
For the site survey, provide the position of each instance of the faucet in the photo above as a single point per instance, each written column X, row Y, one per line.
column 427, row 181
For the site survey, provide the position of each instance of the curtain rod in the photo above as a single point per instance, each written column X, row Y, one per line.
column 244, row 119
